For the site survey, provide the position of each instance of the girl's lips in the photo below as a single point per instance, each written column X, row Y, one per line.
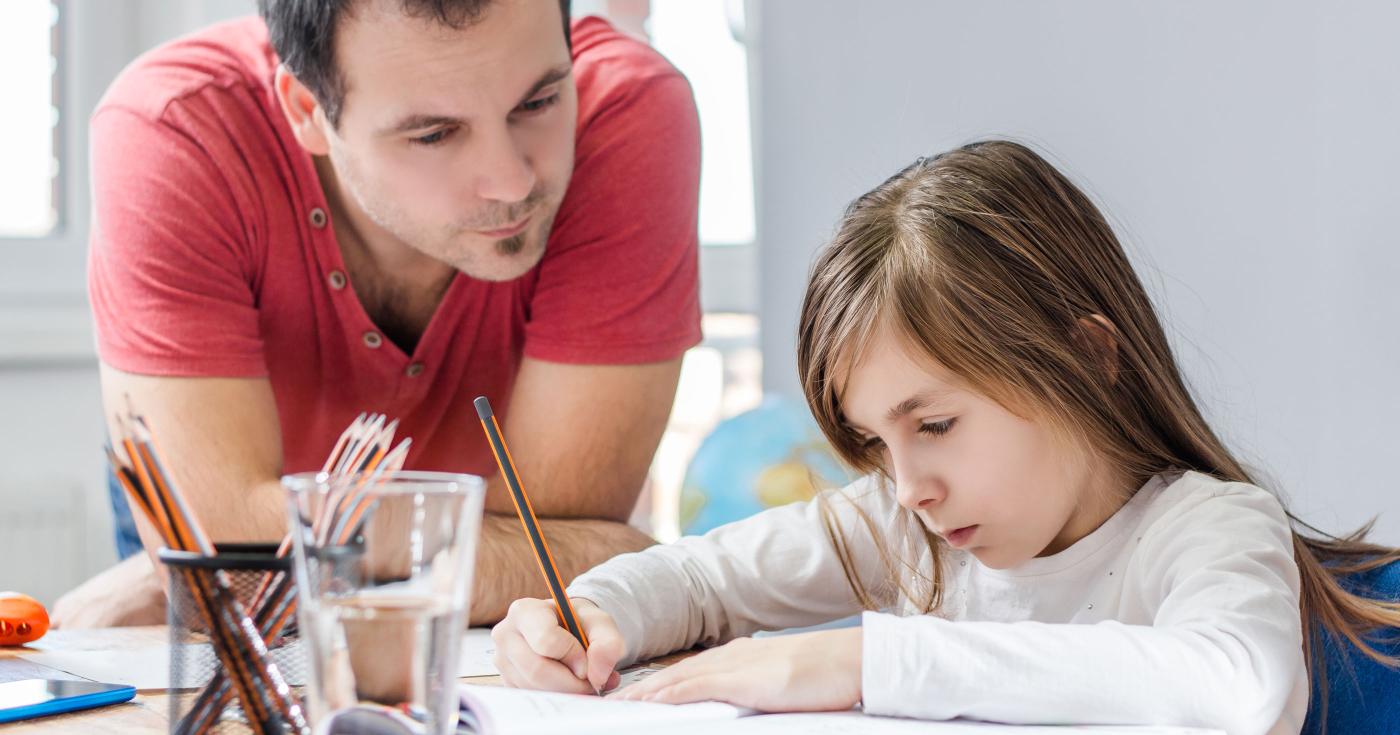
column 960, row 537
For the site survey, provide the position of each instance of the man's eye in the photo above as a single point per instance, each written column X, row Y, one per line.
column 433, row 138
column 535, row 105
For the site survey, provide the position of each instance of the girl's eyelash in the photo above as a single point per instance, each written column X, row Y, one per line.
column 938, row 428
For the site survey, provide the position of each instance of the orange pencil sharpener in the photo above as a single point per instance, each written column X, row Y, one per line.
column 22, row 619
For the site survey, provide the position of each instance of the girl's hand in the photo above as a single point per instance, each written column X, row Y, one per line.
column 533, row 651
column 806, row 672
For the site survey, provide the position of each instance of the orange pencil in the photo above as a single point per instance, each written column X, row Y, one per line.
column 567, row 616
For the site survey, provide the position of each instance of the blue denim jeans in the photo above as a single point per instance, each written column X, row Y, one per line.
column 123, row 525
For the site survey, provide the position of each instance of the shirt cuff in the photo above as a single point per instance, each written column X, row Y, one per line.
column 899, row 667
column 613, row 602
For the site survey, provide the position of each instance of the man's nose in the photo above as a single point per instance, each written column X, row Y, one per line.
column 506, row 174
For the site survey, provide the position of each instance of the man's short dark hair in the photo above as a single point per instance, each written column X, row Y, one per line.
column 303, row 35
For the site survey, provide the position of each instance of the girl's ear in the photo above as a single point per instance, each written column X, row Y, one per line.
column 1098, row 336
column 303, row 112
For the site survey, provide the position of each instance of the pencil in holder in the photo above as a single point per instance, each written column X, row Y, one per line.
column 207, row 693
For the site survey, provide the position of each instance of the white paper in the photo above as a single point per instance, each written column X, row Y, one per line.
column 494, row 710
column 148, row 667
column 477, row 651
column 526, row 712
column 633, row 675
column 855, row 723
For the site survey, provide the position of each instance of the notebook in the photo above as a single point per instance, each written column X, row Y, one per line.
column 493, row 710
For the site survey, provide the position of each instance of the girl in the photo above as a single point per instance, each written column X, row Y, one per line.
column 1055, row 533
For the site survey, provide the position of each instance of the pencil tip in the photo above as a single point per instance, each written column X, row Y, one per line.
column 483, row 407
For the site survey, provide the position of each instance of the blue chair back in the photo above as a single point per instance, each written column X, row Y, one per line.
column 1363, row 696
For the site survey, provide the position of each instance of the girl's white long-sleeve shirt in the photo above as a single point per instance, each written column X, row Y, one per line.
column 1181, row 609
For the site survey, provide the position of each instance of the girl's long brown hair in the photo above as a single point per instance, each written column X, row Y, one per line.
column 991, row 262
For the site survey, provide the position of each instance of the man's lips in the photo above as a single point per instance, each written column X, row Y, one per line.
column 507, row 231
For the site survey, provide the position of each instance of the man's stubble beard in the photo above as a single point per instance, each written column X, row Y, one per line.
column 511, row 246
column 539, row 231
column 531, row 244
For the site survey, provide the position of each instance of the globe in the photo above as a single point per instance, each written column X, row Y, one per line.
column 763, row 458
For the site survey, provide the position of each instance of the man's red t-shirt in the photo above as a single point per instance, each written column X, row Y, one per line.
column 212, row 253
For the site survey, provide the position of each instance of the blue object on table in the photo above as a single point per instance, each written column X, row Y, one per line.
column 1363, row 696
column 769, row 456
column 123, row 524
column 22, row 700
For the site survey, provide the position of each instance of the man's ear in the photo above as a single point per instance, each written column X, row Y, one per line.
column 1098, row 336
column 303, row 112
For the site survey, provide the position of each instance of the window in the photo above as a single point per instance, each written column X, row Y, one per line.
column 721, row 377
column 699, row 37
column 703, row 38
column 30, row 195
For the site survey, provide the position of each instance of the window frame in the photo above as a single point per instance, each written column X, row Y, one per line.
column 44, row 315
column 43, row 291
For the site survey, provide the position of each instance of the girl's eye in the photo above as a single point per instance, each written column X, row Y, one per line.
column 433, row 138
column 872, row 444
column 938, row 428
column 539, row 103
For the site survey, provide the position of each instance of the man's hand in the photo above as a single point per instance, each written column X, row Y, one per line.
column 126, row 594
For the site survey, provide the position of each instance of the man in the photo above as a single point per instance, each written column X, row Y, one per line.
column 396, row 206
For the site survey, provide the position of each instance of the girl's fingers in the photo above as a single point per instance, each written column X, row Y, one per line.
column 507, row 671
column 538, row 623
column 521, row 666
column 646, row 687
column 681, row 686
column 709, row 687
column 605, row 645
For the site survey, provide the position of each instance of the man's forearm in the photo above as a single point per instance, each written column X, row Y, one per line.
column 506, row 569
column 259, row 515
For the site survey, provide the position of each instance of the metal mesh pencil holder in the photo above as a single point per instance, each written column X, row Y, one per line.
column 262, row 582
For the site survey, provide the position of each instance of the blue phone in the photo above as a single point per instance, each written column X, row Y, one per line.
column 20, row 700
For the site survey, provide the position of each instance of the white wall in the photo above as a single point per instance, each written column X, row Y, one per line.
column 55, row 522
column 1247, row 150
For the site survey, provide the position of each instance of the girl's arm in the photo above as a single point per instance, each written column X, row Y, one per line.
column 1223, row 650
column 775, row 570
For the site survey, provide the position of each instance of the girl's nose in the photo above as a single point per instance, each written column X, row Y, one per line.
column 917, row 488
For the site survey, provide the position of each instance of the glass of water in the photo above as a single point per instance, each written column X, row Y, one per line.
column 384, row 574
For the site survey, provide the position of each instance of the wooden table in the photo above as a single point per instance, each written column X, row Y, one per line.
column 147, row 714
